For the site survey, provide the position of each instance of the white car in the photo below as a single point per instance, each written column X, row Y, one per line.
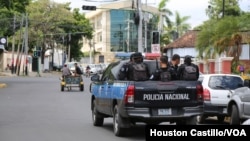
column 94, row 69
column 217, row 90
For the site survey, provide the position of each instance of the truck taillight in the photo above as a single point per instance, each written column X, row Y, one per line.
column 129, row 95
column 206, row 95
column 199, row 91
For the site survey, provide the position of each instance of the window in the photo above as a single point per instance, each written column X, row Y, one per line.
column 225, row 82
column 99, row 37
column 99, row 22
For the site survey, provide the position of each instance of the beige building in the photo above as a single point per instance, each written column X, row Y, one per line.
column 115, row 30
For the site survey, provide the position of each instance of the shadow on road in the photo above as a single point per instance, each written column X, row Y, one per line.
column 138, row 132
column 135, row 133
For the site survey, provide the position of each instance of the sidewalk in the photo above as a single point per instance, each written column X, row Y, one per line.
column 30, row 74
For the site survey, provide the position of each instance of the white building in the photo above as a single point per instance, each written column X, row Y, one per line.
column 116, row 31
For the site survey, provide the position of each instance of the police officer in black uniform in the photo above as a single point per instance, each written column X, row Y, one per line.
column 173, row 66
column 160, row 74
column 123, row 74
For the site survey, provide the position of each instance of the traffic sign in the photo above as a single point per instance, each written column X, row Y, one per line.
column 155, row 48
column 87, row 7
column 3, row 40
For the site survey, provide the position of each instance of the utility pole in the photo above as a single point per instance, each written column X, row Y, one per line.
column 17, row 67
column 13, row 45
column 145, row 30
column 90, row 52
column 140, row 48
column 26, row 45
column 69, row 47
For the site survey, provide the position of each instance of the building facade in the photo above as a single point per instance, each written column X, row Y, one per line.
column 115, row 30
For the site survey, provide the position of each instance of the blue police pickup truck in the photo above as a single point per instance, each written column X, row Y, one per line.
column 150, row 102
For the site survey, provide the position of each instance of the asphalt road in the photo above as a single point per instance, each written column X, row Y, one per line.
column 34, row 109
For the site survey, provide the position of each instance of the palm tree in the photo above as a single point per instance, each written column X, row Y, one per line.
column 180, row 24
column 165, row 13
column 164, row 21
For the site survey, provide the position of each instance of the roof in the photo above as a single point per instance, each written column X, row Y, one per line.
column 220, row 75
column 187, row 40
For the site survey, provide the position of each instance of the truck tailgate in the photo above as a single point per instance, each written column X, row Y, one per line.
column 155, row 94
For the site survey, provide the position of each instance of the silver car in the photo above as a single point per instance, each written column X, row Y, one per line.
column 239, row 105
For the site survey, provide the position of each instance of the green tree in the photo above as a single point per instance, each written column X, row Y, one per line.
column 44, row 18
column 52, row 23
column 166, row 22
column 204, row 43
column 180, row 24
column 165, row 12
column 8, row 9
column 15, row 5
column 219, row 33
column 79, row 28
column 215, row 9
column 225, row 36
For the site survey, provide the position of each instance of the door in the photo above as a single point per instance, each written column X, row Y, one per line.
column 245, row 98
column 105, row 90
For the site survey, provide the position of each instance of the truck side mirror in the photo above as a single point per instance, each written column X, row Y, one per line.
column 95, row 77
column 247, row 83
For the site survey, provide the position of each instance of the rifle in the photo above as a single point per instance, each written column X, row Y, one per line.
column 157, row 65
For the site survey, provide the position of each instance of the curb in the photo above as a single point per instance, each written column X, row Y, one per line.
column 3, row 85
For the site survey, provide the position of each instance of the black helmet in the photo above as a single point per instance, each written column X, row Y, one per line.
column 137, row 55
column 188, row 59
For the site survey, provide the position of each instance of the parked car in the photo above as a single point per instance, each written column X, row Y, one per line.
column 217, row 90
column 239, row 105
column 247, row 122
column 104, row 66
column 98, row 68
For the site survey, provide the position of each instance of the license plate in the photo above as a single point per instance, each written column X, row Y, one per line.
column 164, row 111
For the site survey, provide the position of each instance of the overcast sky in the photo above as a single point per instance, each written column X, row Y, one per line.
column 193, row 8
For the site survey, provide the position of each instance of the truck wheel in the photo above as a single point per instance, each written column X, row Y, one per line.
column 62, row 88
column 220, row 118
column 118, row 130
column 201, row 118
column 96, row 117
column 235, row 119
column 191, row 120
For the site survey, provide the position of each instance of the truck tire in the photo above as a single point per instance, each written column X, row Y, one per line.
column 191, row 120
column 201, row 118
column 235, row 118
column 97, row 119
column 220, row 118
column 117, row 121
